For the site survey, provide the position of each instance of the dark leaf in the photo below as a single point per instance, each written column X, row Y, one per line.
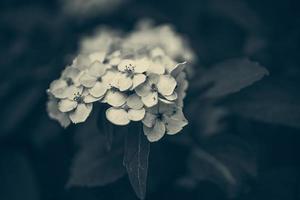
column 271, row 103
column 136, row 154
column 239, row 12
column 205, row 118
column 228, row 162
column 106, row 128
column 18, row 180
column 94, row 165
column 230, row 76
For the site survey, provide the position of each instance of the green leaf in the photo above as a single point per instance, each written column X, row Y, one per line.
column 230, row 76
column 136, row 154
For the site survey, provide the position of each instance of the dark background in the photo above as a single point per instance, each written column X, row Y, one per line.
column 38, row 40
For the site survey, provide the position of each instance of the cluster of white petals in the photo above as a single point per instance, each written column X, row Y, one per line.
column 140, row 82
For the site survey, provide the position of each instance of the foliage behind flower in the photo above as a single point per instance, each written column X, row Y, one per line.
column 89, row 8
column 139, row 79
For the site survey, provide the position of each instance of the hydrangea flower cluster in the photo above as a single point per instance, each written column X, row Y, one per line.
column 139, row 84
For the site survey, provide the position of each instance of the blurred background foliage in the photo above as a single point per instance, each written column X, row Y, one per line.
column 240, row 146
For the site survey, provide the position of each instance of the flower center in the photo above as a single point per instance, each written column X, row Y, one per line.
column 129, row 69
column 78, row 98
column 153, row 87
column 159, row 116
column 69, row 81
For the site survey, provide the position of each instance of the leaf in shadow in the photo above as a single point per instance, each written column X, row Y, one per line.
column 18, row 180
column 239, row 12
column 230, row 76
column 270, row 102
column 94, row 165
column 227, row 162
column 136, row 154
column 106, row 128
column 206, row 118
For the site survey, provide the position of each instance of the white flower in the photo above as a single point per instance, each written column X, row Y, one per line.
column 98, row 79
column 54, row 113
column 156, row 85
column 132, row 111
column 101, row 41
column 161, row 119
column 115, row 58
column 115, row 98
column 132, row 73
column 162, row 36
column 85, row 61
column 68, row 83
column 78, row 107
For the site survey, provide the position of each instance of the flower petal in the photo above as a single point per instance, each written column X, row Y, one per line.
column 169, row 64
column 173, row 126
column 153, row 78
column 156, row 133
column 72, row 73
column 82, row 62
column 57, row 88
column 124, row 82
column 88, row 80
column 156, row 68
column 81, row 113
column 134, row 102
column 165, row 100
column 115, row 98
column 114, row 61
column 109, row 78
column 157, row 52
column 99, row 89
column 54, row 113
column 171, row 97
column 143, row 89
column 141, row 65
column 151, row 99
column 178, row 115
column 97, row 69
column 90, row 99
column 117, row 116
column 66, row 105
column 97, row 56
column 73, row 91
column 126, row 65
column 149, row 119
column 136, row 115
column 138, row 79
column 166, row 85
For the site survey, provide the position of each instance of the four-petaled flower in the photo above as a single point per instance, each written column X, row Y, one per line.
column 163, row 119
column 78, row 106
column 67, row 85
column 132, row 73
column 157, row 87
column 132, row 111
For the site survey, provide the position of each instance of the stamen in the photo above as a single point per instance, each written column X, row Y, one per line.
column 69, row 81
